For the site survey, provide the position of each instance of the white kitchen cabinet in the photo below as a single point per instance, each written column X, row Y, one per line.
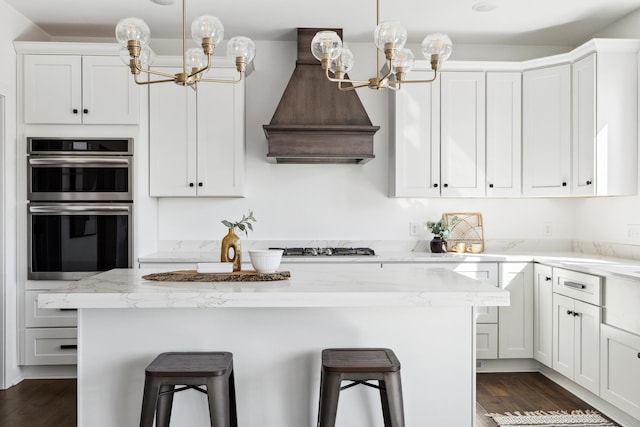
column 51, row 346
column 515, row 322
column 546, row 131
column 462, row 139
column 36, row 317
column 197, row 144
column 620, row 369
column 415, row 138
column 543, row 314
column 438, row 136
column 504, row 134
column 604, row 97
column 76, row 89
column 576, row 341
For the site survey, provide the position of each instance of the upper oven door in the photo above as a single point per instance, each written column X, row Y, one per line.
column 79, row 178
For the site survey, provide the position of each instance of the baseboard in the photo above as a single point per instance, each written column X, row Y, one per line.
column 49, row 372
column 531, row 365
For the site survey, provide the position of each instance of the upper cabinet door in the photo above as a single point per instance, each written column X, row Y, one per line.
column 504, row 130
column 74, row 89
column 583, row 81
column 172, row 139
column 109, row 93
column 462, row 117
column 221, row 142
column 415, row 138
column 547, row 131
column 52, row 89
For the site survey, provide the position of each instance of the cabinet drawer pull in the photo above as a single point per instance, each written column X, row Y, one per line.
column 68, row 309
column 575, row 285
column 69, row 347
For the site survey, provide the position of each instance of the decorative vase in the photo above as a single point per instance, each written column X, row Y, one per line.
column 231, row 250
column 438, row 245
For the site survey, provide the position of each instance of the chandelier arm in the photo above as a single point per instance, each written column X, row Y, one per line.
column 156, row 73
column 223, row 81
column 149, row 82
column 435, row 75
column 348, row 88
column 332, row 79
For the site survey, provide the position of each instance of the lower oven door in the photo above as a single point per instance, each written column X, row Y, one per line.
column 68, row 241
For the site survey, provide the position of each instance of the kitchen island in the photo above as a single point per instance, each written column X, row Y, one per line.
column 276, row 331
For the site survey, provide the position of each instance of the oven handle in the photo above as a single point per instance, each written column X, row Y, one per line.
column 78, row 208
column 62, row 161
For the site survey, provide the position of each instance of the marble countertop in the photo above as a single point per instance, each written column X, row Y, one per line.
column 360, row 286
column 586, row 263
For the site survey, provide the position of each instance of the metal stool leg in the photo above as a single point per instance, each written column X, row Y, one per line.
column 393, row 398
column 149, row 399
column 232, row 401
column 219, row 402
column 329, row 394
column 163, row 407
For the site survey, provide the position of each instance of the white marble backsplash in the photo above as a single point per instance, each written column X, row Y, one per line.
column 499, row 246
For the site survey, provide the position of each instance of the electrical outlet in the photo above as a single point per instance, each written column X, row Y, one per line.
column 414, row 228
column 547, row 229
column 633, row 231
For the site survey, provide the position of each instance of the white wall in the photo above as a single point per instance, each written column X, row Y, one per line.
column 606, row 219
column 342, row 202
column 12, row 26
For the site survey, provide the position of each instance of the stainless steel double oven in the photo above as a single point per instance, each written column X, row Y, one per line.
column 80, row 202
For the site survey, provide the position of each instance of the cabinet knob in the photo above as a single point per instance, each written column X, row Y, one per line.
column 548, row 279
column 75, row 111
column 588, row 182
column 85, row 111
column 576, row 314
column 191, row 184
column 446, row 185
column 569, row 312
column 638, row 355
column 435, row 185
column 200, row 184
column 490, row 185
column 564, row 184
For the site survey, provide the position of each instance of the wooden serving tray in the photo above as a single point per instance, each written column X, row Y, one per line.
column 236, row 276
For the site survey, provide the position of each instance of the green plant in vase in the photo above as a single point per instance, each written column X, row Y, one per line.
column 441, row 231
column 231, row 250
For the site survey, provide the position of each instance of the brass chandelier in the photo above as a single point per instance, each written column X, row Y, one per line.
column 133, row 34
column 390, row 38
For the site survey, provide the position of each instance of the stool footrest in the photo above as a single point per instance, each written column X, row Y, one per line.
column 355, row 383
column 187, row 387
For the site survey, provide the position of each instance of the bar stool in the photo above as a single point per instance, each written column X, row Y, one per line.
column 360, row 365
column 190, row 369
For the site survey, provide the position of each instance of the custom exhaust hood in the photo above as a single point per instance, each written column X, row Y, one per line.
column 314, row 121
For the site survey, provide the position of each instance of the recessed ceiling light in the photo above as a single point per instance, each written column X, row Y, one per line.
column 164, row 2
column 483, row 6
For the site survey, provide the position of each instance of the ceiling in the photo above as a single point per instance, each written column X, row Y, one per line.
column 519, row 22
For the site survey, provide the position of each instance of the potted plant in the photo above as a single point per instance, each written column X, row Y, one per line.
column 231, row 250
column 440, row 230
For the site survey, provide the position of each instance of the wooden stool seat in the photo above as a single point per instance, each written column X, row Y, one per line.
column 191, row 370
column 360, row 365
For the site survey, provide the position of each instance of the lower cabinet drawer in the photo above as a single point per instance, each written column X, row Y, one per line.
column 51, row 346
column 487, row 341
column 35, row 317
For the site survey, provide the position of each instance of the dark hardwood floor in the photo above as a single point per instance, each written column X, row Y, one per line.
column 521, row 391
column 52, row 403
column 39, row 403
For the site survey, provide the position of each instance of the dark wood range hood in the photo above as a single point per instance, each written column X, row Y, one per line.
column 315, row 122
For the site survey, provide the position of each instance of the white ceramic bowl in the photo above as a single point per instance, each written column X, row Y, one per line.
column 265, row 260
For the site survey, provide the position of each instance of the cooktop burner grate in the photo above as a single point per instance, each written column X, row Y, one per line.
column 327, row 251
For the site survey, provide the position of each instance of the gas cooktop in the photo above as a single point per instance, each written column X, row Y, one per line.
column 327, row 251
